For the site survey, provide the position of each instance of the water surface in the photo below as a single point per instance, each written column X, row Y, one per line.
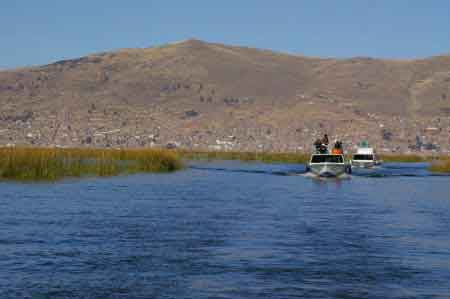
column 229, row 230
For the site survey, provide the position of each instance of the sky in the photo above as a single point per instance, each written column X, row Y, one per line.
column 44, row 31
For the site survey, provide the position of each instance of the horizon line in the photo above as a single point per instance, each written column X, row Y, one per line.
column 180, row 42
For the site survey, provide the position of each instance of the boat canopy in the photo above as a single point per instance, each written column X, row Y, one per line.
column 365, row 151
column 327, row 159
column 358, row 157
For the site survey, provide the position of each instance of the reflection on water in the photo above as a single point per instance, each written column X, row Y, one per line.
column 229, row 230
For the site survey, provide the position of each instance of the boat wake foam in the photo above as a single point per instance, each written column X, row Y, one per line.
column 379, row 172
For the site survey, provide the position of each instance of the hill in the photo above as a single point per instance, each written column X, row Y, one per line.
column 202, row 95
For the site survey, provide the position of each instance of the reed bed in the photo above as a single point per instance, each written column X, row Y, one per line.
column 441, row 165
column 286, row 157
column 30, row 164
column 408, row 158
column 33, row 164
column 266, row 157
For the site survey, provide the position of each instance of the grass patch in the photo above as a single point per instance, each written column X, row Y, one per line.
column 441, row 165
column 33, row 164
column 245, row 156
column 284, row 157
column 409, row 158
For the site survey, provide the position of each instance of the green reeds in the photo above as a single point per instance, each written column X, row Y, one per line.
column 245, row 156
column 31, row 164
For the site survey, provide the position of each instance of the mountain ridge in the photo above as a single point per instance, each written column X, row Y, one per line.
column 195, row 40
column 195, row 93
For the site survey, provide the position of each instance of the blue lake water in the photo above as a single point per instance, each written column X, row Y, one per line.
column 229, row 230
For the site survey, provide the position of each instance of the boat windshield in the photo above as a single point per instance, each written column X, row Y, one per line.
column 327, row 158
column 363, row 157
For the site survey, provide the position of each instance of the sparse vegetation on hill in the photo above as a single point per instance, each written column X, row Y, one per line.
column 205, row 96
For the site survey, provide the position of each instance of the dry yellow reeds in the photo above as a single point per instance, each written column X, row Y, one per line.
column 441, row 165
column 246, row 156
column 408, row 158
column 25, row 163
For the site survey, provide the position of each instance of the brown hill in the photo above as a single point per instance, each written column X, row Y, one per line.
column 206, row 95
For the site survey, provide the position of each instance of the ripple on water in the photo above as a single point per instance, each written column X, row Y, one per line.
column 228, row 230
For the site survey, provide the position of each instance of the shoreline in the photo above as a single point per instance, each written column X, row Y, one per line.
column 52, row 164
column 292, row 157
column 438, row 164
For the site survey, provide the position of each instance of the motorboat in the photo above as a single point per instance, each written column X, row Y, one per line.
column 328, row 165
column 365, row 157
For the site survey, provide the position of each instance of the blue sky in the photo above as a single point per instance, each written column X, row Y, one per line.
column 39, row 32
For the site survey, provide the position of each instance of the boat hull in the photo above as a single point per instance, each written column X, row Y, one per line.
column 328, row 169
column 363, row 164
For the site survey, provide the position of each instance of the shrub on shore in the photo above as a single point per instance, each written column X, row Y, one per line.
column 24, row 163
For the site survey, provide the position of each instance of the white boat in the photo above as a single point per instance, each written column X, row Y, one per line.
column 365, row 157
column 328, row 165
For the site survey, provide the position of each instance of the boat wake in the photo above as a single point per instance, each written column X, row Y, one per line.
column 384, row 171
column 251, row 171
column 311, row 175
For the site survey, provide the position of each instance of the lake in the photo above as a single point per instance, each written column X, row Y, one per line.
column 229, row 230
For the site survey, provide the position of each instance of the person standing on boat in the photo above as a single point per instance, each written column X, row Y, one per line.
column 321, row 145
column 318, row 144
column 324, row 144
column 337, row 149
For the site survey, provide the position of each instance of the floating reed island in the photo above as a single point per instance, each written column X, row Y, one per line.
column 32, row 164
